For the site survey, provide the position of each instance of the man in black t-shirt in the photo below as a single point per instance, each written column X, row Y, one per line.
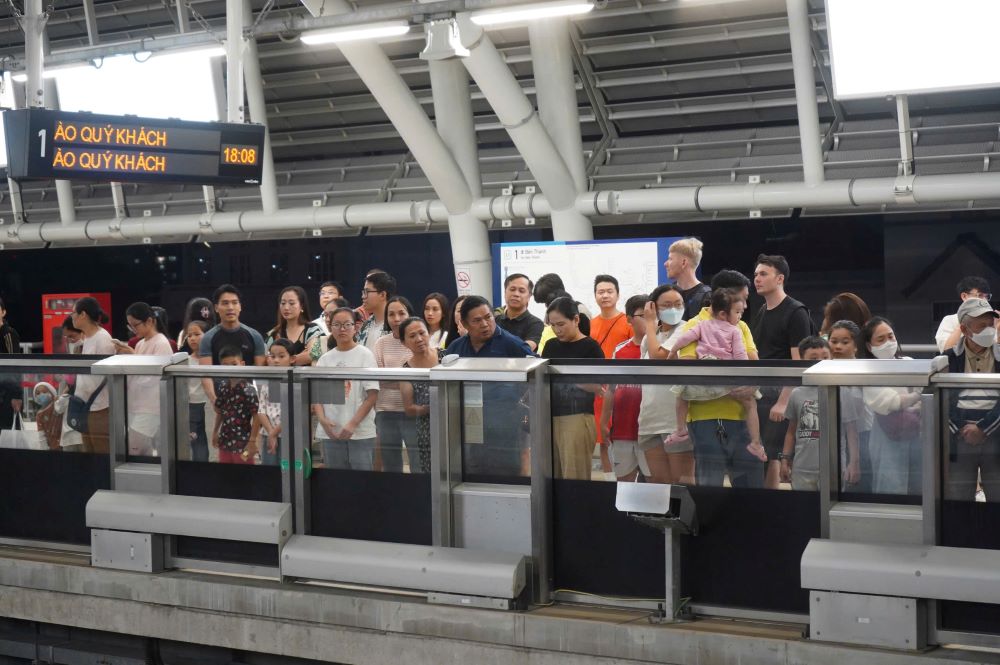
column 778, row 327
column 515, row 317
column 683, row 259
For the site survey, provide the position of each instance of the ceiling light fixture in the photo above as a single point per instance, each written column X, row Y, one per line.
column 531, row 12
column 353, row 33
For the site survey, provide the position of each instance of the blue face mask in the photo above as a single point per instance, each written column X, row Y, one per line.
column 43, row 399
column 671, row 316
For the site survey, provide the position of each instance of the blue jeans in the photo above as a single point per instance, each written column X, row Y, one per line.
column 721, row 446
column 896, row 465
column 394, row 427
column 356, row 454
column 199, row 438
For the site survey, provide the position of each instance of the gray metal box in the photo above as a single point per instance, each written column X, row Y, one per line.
column 878, row 621
column 135, row 477
column 126, row 550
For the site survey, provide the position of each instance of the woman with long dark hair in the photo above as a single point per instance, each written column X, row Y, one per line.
column 144, row 391
column 294, row 324
column 574, row 431
column 434, row 311
column 88, row 317
column 394, row 426
column 896, row 431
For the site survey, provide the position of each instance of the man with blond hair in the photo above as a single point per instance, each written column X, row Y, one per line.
column 683, row 259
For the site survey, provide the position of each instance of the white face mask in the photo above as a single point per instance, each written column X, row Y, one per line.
column 885, row 351
column 986, row 337
column 73, row 347
column 671, row 315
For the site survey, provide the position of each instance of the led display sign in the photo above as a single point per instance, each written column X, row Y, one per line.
column 43, row 144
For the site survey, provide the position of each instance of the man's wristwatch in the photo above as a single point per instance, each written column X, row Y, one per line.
column 788, row 457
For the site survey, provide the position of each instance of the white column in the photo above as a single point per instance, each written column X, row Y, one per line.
column 555, row 92
column 234, row 60
column 504, row 93
column 258, row 113
column 470, row 239
column 799, row 32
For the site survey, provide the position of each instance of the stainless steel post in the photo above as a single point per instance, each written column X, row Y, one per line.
column 905, row 135
column 829, row 454
column 300, row 456
column 540, row 419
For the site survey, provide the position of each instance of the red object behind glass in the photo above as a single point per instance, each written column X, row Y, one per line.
column 56, row 307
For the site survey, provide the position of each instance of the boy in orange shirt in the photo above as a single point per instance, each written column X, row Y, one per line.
column 610, row 328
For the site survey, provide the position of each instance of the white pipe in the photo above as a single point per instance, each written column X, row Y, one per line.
column 470, row 239
column 234, row 60
column 555, row 86
column 398, row 102
column 901, row 193
column 525, row 128
column 453, row 116
column 258, row 113
column 799, row 33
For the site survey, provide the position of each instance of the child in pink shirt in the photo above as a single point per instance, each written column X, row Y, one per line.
column 718, row 338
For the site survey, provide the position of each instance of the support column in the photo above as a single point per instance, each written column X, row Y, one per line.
column 34, row 27
column 470, row 239
column 473, row 269
column 555, row 92
column 905, row 135
column 234, row 60
column 504, row 93
column 799, row 31
column 258, row 113
column 64, row 188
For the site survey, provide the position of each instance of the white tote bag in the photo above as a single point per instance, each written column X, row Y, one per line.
column 16, row 436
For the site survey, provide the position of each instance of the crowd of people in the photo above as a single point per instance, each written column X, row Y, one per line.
column 752, row 436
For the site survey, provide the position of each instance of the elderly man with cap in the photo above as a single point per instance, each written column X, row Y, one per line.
column 974, row 413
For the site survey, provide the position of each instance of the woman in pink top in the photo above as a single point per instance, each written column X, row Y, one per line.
column 718, row 338
column 391, row 422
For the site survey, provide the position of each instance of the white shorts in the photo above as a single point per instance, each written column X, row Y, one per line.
column 147, row 424
column 626, row 456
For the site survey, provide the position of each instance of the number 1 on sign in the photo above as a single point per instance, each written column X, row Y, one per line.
column 41, row 135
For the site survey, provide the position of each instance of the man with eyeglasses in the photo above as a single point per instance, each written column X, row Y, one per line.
column 328, row 292
column 503, row 451
column 949, row 332
column 379, row 287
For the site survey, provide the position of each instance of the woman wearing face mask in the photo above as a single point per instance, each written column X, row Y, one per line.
column 896, row 431
column 670, row 458
column 49, row 422
column 393, row 425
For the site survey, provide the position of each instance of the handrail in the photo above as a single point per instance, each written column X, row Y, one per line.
column 226, row 372
column 357, row 373
column 680, row 369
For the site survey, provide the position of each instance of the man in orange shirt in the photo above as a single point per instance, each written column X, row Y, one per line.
column 609, row 329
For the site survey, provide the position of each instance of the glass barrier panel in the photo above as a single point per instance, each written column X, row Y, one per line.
column 496, row 432
column 143, row 427
column 48, row 469
column 222, row 450
column 970, row 509
column 371, row 459
column 881, row 442
column 751, row 538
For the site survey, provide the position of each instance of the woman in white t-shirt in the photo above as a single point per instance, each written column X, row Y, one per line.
column 144, row 391
column 663, row 317
column 394, row 426
column 346, row 428
column 88, row 317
